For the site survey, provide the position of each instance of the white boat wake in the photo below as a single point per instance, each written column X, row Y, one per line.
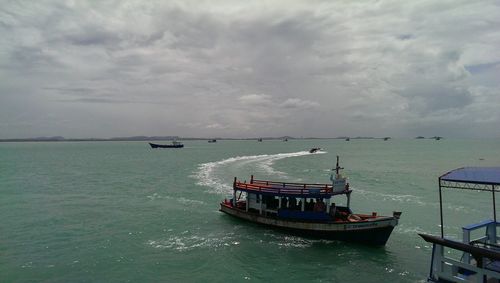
column 207, row 176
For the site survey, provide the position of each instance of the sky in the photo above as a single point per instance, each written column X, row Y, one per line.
column 244, row 69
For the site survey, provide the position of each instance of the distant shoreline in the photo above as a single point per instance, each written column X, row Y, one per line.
column 163, row 138
column 174, row 138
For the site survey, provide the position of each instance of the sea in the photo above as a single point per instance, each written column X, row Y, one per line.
column 123, row 212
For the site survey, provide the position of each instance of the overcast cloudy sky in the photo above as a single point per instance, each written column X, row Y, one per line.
column 249, row 68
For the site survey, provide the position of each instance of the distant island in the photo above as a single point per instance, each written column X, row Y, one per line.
column 162, row 138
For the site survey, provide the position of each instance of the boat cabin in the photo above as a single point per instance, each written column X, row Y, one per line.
column 311, row 202
column 479, row 256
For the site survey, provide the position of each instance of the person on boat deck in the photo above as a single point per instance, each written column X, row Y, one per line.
column 319, row 206
column 275, row 202
column 310, row 205
column 284, row 202
column 272, row 202
column 293, row 203
column 333, row 210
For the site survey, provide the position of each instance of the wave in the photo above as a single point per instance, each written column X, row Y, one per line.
column 288, row 241
column 411, row 230
column 206, row 173
column 415, row 200
column 182, row 200
column 392, row 197
column 186, row 242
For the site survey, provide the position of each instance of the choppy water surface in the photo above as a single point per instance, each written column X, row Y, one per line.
column 122, row 212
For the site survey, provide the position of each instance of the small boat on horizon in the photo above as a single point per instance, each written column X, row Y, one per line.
column 175, row 144
column 308, row 209
column 259, row 140
column 212, row 140
column 347, row 139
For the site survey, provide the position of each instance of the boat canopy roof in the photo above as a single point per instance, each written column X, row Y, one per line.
column 297, row 190
column 474, row 175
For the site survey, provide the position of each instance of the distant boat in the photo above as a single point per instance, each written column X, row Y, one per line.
column 314, row 149
column 174, row 144
column 387, row 138
column 259, row 140
column 420, row 137
column 347, row 139
column 437, row 138
column 213, row 140
column 285, row 139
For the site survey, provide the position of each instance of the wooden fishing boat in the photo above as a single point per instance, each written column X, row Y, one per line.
column 174, row 144
column 476, row 258
column 315, row 214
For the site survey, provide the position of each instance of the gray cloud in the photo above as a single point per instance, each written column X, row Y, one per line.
column 292, row 103
column 249, row 69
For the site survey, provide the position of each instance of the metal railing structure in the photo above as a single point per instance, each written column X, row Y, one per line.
column 313, row 190
column 480, row 260
column 286, row 188
column 445, row 267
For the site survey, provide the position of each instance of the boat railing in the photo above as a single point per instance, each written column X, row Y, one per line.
column 445, row 267
column 285, row 188
column 289, row 184
column 489, row 238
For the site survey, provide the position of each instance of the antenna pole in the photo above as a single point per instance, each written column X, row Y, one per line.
column 337, row 167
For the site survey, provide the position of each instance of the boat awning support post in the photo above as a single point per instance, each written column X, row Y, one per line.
column 234, row 192
column 260, row 208
column 494, row 204
column 348, row 200
column 441, row 209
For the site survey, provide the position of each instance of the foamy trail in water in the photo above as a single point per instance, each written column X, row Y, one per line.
column 392, row 197
column 412, row 199
column 207, row 176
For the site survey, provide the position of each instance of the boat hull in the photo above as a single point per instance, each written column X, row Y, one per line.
column 374, row 232
column 153, row 145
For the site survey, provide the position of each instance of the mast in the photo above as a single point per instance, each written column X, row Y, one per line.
column 337, row 167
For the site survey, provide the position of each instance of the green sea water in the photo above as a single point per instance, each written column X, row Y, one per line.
column 122, row 212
